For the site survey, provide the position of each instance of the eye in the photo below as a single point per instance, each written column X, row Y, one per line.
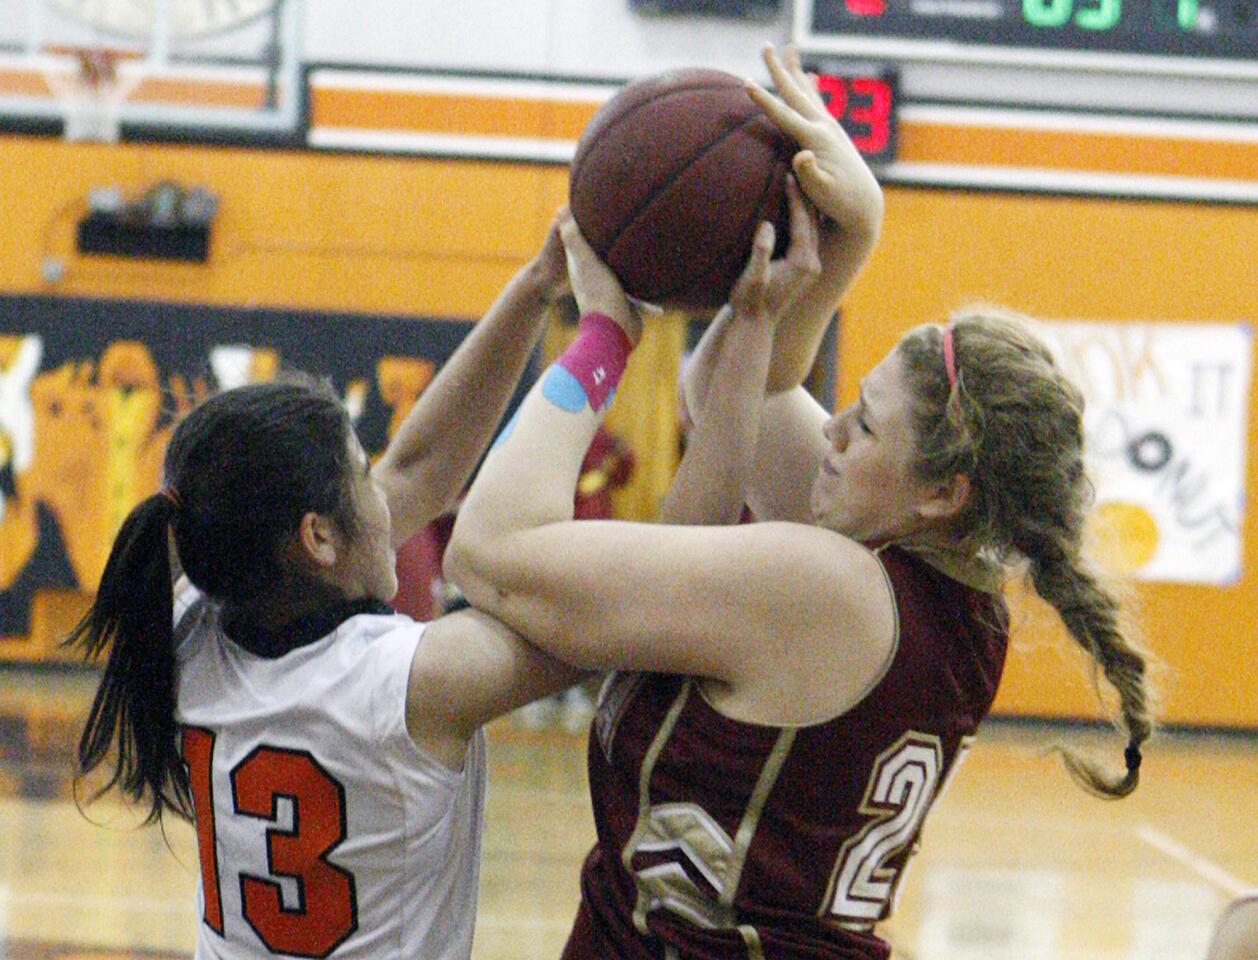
column 860, row 422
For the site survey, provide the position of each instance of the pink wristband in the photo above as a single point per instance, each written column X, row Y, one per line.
column 596, row 358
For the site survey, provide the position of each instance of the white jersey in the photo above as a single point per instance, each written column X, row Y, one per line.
column 324, row 831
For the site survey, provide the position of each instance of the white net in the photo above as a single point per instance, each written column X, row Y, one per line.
column 92, row 83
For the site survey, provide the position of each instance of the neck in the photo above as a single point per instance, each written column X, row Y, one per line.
column 975, row 569
column 290, row 601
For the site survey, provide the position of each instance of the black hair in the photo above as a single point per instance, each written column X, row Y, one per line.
column 242, row 469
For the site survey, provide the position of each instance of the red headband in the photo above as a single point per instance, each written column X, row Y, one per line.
column 950, row 360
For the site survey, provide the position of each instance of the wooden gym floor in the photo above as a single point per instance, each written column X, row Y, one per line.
column 1017, row 863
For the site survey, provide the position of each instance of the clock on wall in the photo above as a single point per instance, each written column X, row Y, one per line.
column 188, row 18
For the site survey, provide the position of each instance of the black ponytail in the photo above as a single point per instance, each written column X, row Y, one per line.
column 245, row 465
column 133, row 616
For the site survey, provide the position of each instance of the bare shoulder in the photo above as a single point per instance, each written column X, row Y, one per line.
column 835, row 634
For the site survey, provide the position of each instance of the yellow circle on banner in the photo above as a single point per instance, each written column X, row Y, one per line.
column 1126, row 536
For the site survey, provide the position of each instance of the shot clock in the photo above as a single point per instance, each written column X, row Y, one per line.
column 1181, row 36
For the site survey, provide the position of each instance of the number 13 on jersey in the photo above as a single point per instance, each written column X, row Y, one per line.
column 326, row 911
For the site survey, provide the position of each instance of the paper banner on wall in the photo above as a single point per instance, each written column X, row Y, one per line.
column 1167, row 427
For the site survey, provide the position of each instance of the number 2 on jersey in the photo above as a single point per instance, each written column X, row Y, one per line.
column 901, row 789
column 327, row 909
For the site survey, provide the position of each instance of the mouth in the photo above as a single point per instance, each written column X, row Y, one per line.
column 829, row 468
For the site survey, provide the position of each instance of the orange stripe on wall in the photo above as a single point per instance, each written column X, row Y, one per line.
column 22, row 83
column 201, row 93
column 507, row 116
column 210, row 93
column 1092, row 152
column 446, row 113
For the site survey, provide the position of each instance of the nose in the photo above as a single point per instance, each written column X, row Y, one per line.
column 835, row 431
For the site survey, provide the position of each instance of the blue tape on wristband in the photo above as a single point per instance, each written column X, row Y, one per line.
column 564, row 390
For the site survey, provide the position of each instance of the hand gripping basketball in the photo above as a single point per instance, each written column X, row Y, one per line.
column 830, row 169
column 767, row 288
column 594, row 286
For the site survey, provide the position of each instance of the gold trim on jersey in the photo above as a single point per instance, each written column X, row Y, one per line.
column 751, row 937
column 691, row 832
column 862, row 927
column 755, row 807
column 644, row 799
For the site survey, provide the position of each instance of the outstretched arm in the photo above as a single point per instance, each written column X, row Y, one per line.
column 430, row 459
column 670, row 598
column 836, row 179
column 710, row 486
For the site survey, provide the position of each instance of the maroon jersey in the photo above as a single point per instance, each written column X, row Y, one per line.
column 723, row 839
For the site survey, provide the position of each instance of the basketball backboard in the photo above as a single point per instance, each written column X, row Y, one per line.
column 183, row 74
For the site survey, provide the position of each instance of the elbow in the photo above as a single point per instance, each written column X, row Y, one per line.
column 471, row 561
column 459, row 560
column 459, row 567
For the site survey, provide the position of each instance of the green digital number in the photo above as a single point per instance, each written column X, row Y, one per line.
column 1101, row 17
column 1183, row 18
column 1055, row 13
column 1046, row 13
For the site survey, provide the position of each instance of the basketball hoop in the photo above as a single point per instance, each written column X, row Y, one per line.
column 91, row 88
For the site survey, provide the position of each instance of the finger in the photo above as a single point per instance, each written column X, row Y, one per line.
column 750, row 293
column 588, row 274
column 762, row 246
column 758, row 262
column 645, row 308
column 788, row 120
column 803, row 245
column 757, row 269
column 789, row 86
column 813, row 88
column 811, row 173
column 806, row 81
column 574, row 241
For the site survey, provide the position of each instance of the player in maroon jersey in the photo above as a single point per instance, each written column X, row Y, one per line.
column 793, row 694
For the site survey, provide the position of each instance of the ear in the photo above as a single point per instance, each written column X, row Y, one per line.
column 949, row 499
column 319, row 541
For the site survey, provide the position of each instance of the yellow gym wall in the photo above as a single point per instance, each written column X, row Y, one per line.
column 1062, row 258
column 440, row 237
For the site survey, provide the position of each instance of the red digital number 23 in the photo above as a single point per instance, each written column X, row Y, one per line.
column 327, row 910
column 871, row 118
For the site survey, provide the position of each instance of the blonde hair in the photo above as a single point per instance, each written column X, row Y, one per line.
column 1012, row 422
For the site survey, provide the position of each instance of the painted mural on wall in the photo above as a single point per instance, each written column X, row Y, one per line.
column 90, row 392
column 1166, row 424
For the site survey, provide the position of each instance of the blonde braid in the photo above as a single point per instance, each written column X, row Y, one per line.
column 1013, row 423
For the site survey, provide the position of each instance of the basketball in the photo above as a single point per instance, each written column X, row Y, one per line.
column 671, row 177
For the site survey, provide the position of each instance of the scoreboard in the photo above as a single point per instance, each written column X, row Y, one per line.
column 865, row 102
column 1216, row 38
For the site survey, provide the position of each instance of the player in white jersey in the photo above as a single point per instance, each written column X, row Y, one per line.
column 1235, row 935
column 328, row 750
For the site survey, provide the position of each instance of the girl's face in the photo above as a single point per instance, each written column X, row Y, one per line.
column 864, row 487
